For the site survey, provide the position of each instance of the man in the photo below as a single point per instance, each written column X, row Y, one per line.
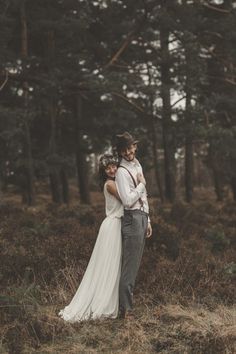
column 135, row 226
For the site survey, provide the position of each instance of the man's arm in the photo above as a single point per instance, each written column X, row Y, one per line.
column 140, row 178
column 127, row 196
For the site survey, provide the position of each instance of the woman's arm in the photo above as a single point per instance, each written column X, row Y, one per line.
column 111, row 188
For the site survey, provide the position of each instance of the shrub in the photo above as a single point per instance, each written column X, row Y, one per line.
column 219, row 242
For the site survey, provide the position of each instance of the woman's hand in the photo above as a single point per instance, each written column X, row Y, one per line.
column 141, row 179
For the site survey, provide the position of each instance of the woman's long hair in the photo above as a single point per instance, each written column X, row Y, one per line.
column 104, row 161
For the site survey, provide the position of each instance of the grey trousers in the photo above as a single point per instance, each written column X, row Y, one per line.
column 133, row 228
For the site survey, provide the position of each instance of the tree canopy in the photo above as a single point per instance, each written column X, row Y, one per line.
column 73, row 74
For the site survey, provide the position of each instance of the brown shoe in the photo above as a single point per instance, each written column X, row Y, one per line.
column 129, row 315
column 121, row 314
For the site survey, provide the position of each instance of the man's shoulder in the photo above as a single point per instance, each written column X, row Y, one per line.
column 123, row 172
column 122, row 169
column 137, row 162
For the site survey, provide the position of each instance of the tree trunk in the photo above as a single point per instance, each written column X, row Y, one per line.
column 4, row 184
column 156, row 159
column 55, row 185
column 54, row 168
column 65, row 186
column 153, row 133
column 82, row 167
column 1, row 192
column 190, row 52
column 54, row 175
column 30, row 167
column 24, row 30
column 23, row 184
column 28, row 194
column 216, row 172
column 189, row 167
column 168, row 142
column 233, row 186
column 218, row 185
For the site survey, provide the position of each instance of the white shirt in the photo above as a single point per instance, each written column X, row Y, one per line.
column 129, row 194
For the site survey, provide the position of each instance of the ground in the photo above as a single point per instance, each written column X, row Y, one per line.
column 185, row 291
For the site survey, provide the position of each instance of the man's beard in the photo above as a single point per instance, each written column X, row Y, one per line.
column 129, row 157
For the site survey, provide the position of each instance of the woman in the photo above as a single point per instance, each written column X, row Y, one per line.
column 98, row 293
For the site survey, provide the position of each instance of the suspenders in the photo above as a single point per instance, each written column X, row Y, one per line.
column 135, row 184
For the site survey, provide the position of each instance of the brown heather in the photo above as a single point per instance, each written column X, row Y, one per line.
column 185, row 292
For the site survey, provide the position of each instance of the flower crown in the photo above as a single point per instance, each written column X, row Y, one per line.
column 108, row 159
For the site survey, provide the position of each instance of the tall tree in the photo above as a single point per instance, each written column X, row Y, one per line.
column 28, row 181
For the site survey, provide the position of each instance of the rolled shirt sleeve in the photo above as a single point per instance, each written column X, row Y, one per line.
column 127, row 195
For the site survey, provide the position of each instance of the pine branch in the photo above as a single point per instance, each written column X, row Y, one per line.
column 127, row 100
column 216, row 34
column 121, row 49
column 211, row 7
column 229, row 81
column 131, row 35
column 5, row 81
column 232, row 82
column 179, row 100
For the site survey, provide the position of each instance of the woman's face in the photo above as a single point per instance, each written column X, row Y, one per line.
column 111, row 170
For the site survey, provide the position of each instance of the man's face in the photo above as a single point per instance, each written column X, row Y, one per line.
column 129, row 153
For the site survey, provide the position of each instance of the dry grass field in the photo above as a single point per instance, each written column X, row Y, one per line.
column 185, row 291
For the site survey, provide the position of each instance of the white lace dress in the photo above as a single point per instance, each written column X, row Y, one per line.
column 98, row 292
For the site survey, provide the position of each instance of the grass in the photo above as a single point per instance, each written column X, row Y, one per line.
column 170, row 328
column 184, row 295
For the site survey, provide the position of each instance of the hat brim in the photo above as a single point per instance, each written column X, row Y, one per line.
column 133, row 142
column 125, row 142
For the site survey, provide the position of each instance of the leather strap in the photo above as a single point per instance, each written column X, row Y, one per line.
column 135, row 184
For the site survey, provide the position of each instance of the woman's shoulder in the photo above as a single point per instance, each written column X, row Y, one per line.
column 110, row 182
column 110, row 185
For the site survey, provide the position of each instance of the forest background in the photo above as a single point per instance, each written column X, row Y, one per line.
column 73, row 74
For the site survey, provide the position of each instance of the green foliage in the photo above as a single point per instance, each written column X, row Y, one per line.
column 230, row 270
column 39, row 230
column 216, row 236
column 86, row 215
column 19, row 308
column 109, row 54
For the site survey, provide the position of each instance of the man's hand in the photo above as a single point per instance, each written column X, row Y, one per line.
column 141, row 179
column 149, row 230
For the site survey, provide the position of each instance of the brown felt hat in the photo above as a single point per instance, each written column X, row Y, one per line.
column 123, row 141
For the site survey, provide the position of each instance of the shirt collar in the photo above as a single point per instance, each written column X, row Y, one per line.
column 134, row 163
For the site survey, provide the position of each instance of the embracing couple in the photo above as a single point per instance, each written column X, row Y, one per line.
column 106, row 289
